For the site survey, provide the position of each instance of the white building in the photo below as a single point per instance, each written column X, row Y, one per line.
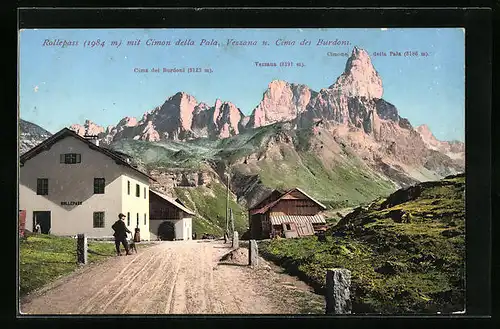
column 70, row 185
column 170, row 219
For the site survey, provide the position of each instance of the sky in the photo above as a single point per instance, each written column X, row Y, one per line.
column 63, row 85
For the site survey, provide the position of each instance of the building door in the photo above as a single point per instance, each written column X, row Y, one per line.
column 43, row 219
column 256, row 230
column 166, row 231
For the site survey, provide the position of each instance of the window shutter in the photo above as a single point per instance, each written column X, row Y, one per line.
column 78, row 158
column 61, row 158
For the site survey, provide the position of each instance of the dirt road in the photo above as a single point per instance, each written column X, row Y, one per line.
column 176, row 278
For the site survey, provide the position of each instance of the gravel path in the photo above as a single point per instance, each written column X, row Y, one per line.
column 175, row 278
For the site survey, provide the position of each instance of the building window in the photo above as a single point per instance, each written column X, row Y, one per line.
column 128, row 187
column 137, row 190
column 288, row 228
column 144, row 219
column 71, row 158
column 165, row 213
column 137, row 220
column 144, row 193
column 42, row 186
column 99, row 219
column 128, row 219
column 99, row 184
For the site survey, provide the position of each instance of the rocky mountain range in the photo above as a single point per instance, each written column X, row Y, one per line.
column 30, row 135
column 453, row 149
column 352, row 108
column 355, row 99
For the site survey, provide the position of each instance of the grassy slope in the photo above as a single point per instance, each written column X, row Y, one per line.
column 190, row 154
column 44, row 258
column 343, row 185
column 209, row 202
column 427, row 265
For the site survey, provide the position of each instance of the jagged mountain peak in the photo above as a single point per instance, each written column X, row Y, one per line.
column 282, row 101
column 128, row 121
column 181, row 96
column 360, row 79
column 359, row 59
column 88, row 128
column 424, row 130
column 453, row 149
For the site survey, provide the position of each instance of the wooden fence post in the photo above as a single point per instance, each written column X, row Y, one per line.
column 236, row 242
column 253, row 253
column 338, row 297
column 81, row 249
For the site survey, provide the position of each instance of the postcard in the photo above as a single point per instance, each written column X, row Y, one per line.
column 242, row 171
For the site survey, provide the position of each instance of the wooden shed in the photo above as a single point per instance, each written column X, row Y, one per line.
column 288, row 214
column 169, row 219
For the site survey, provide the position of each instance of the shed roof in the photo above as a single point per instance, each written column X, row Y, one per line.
column 307, row 195
column 265, row 208
column 124, row 155
column 172, row 201
column 280, row 219
column 267, row 195
column 65, row 132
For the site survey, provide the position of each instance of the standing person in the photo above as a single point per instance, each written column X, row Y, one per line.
column 137, row 235
column 120, row 234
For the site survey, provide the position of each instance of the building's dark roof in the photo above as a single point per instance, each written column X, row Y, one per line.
column 173, row 202
column 65, row 132
column 124, row 155
column 265, row 208
column 268, row 206
column 268, row 195
column 307, row 195
column 179, row 202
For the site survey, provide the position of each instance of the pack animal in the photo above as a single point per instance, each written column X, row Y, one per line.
column 132, row 246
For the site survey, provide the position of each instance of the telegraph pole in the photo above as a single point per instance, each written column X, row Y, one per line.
column 227, row 204
column 232, row 220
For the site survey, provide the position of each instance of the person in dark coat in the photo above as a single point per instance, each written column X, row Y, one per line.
column 120, row 234
column 137, row 235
